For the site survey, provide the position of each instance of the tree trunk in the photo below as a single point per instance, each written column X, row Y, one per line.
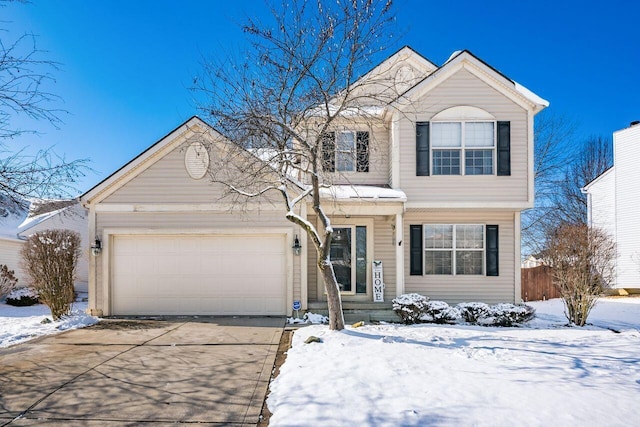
column 334, row 302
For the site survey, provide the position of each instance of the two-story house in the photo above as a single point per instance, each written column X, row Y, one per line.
column 426, row 198
column 613, row 206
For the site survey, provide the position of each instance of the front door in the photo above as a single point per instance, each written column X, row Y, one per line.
column 348, row 256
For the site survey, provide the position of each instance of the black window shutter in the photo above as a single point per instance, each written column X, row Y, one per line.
column 504, row 148
column 422, row 149
column 492, row 250
column 415, row 250
column 329, row 151
column 362, row 149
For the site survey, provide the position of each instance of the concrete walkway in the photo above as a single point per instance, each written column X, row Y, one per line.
column 153, row 372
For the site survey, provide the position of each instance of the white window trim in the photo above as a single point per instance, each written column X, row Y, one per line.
column 463, row 149
column 454, row 249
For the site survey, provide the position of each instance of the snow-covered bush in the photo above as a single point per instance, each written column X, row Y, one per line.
column 8, row 280
column 496, row 315
column 410, row 307
column 50, row 258
column 510, row 314
column 440, row 312
column 474, row 312
column 416, row 308
column 22, row 297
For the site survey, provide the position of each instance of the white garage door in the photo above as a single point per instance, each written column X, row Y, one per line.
column 215, row 275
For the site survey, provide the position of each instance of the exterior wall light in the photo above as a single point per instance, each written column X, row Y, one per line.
column 96, row 248
column 297, row 248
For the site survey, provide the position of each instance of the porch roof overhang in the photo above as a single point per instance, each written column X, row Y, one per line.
column 362, row 200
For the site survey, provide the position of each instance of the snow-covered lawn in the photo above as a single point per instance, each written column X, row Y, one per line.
column 544, row 374
column 19, row 324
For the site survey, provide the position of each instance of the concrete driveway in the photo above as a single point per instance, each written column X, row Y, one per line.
column 127, row 372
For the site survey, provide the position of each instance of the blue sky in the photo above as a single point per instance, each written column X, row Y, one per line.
column 127, row 65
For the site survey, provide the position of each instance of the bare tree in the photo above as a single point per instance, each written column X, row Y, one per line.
column 594, row 158
column 582, row 262
column 553, row 138
column 25, row 74
column 562, row 167
column 296, row 83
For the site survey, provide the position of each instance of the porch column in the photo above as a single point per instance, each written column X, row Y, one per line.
column 399, row 254
column 304, row 285
column 517, row 276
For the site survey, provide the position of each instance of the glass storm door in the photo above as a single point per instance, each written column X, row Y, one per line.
column 349, row 258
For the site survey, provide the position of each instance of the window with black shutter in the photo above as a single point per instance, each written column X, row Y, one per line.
column 415, row 247
column 492, row 250
column 346, row 151
column 504, row 148
column 422, row 149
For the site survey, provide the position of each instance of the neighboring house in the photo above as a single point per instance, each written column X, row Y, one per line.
column 531, row 262
column 31, row 217
column 433, row 189
column 614, row 205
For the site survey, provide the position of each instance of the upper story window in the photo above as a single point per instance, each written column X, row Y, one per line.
column 346, row 151
column 463, row 148
column 463, row 140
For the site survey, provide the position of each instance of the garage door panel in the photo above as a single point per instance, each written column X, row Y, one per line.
column 199, row 275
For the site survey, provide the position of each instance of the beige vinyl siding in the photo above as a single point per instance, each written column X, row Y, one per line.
column 464, row 88
column 460, row 288
column 167, row 181
column 193, row 221
column 383, row 250
column 10, row 256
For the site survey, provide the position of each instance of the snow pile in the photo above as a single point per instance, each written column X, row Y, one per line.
column 20, row 324
column 316, row 319
column 544, row 373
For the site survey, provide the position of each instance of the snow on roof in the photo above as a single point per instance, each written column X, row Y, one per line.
column 453, row 55
column 23, row 219
column 363, row 192
column 530, row 95
column 10, row 224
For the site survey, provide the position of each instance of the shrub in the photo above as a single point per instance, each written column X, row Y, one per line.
column 8, row 280
column 474, row 312
column 410, row 307
column 510, row 314
column 50, row 258
column 582, row 261
column 440, row 312
column 416, row 308
column 23, row 297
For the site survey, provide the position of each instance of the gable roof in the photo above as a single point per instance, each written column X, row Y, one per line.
column 31, row 213
column 495, row 78
column 596, row 180
column 404, row 53
column 155, row 153
column 135, row 165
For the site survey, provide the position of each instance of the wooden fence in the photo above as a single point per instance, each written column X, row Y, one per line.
column 537, row 284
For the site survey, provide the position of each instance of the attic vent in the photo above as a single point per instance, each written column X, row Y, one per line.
column 196, row 160
column 635, row 122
